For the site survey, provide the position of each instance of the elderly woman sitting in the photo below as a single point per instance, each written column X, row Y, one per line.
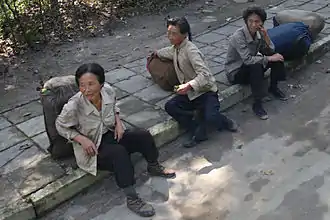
column 91, row 121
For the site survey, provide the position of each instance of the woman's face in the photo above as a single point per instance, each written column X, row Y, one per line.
column 174, row 35
column 90, row 87
column 254, row 23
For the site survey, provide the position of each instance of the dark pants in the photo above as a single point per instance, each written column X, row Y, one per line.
column 254, row 75
column 207, row 105
column 114, row 156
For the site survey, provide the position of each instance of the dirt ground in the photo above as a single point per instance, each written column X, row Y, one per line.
column 132, row 39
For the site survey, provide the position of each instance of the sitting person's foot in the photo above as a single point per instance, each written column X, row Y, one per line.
column 259, row 111
column 140, row 207
column 193, row 142
column 159, row 170
column 277, row 93
column 231, row 125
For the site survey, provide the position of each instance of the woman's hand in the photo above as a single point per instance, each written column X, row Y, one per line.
column 88, row 145
column 183, row 89
column 119, row 130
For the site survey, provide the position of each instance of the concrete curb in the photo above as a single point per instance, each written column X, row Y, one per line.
column 53, row 194
column 66, row 187
column 17, row 211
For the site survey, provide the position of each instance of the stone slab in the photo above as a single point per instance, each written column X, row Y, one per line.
column 152, row 94
column 136, row 63
column 276, row 9
column 131, row 105
column 325, row 12
column 210, row 38
column 292, row 4
column 42, row 141
column 28, row 157
column 208, row 49
column 219, row 59
column 32, row 170
column 120, row 93
column 134, row 84
column 12, row 205
column 32, row 126
column 11, row 153
column 8, row 194
column 319, row 2
column 9, row 137
column 161, row 103
column 215, row 67
column 222, row 78
column 222, row 45
column 221, row 86
column 4, row 123
column 141, row 70
column 227, row 30
column 62, row 189
column 24, row 112
column 118, row 75
column 238, row 23
column 147, row 118
column 19, row 210
column 311, row 7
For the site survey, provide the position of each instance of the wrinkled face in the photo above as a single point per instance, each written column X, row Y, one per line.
column 89, row 86
column 174, row 35
column 254, row 23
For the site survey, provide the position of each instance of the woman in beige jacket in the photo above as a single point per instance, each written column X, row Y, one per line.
column 198, row 89
column 90, row 120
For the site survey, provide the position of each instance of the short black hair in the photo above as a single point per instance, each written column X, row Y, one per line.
column 255, row 10
column 93, row 68
column 183, row 25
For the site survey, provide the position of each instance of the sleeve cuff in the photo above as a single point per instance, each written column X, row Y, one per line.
column 194, row 84
column 265, row 61
column 72, row 135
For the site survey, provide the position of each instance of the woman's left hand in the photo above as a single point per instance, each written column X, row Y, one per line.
column 119, row 131
column 183, row 89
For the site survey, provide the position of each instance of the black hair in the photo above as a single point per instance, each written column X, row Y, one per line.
column 94, row 68
column 183, row 25
column 255, row 10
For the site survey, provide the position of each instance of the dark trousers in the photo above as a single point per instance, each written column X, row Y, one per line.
column 254, row 76
column 207, row 105
column 114, row 156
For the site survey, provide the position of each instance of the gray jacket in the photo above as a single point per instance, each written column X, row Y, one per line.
column 243, row 49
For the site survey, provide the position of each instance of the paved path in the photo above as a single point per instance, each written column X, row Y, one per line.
column 26, row 167
column 275, row 169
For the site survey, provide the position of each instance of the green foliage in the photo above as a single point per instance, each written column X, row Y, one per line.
column 26, row 22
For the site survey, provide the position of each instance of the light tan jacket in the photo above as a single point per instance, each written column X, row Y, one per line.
column 190, row 67
column 79, row 116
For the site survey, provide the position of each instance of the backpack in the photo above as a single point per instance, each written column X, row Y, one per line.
column 291, row 40
column 55, row 94
column 162, row 72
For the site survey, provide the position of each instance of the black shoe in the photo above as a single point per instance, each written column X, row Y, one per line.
column 259, row 111
column 193, row 142
column 277, row 93
column 160, row 171
column 140, row 207
column 230, row 125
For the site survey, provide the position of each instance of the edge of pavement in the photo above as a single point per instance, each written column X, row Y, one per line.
column 66, row 187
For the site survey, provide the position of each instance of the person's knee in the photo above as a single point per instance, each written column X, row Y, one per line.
column 170, row 107
column 117, row 151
